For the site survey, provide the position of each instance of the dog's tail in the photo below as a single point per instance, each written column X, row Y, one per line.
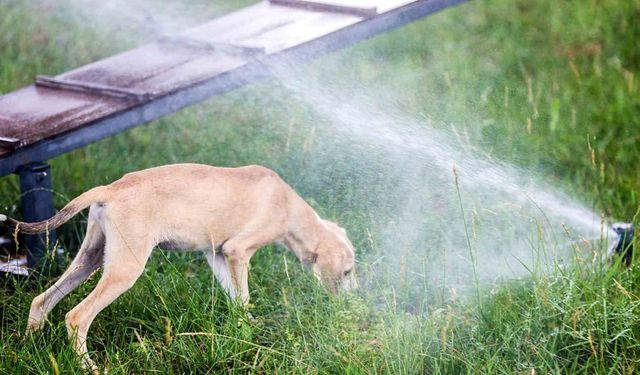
column 84, row 200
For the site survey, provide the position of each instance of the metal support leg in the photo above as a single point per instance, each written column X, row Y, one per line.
column 37, row 205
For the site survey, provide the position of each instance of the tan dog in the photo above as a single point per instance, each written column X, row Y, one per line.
column 228, row 213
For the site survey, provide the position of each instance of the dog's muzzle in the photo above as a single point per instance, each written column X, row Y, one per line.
column 349, row 283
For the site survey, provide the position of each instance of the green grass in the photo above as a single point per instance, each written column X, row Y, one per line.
column 551, row 86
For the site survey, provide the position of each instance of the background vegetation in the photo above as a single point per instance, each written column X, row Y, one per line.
column 549, row 85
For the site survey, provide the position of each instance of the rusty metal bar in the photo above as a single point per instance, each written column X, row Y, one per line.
column 321, row 6
column 92, row 88
column 212, row 46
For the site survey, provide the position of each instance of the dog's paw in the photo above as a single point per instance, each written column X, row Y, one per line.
column 250, row 317
column 88, row 365
column 32, row 327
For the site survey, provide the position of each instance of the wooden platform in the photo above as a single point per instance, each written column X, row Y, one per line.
column 65, row 112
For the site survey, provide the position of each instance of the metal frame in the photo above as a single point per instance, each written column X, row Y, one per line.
column 37, row 204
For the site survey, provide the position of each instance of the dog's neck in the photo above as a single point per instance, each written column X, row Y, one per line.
column 304, row 231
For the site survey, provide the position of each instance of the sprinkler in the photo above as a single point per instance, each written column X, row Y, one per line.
column 623, row 245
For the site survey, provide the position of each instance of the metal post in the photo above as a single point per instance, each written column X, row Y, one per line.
column 37, row 205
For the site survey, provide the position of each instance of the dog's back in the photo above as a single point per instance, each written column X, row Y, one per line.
column 193, row 201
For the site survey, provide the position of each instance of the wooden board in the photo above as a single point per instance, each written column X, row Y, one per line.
column 271, row 27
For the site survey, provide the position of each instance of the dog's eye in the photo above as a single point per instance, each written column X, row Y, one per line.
column 347, row 272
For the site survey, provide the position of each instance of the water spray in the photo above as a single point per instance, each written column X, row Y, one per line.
column 622, row 246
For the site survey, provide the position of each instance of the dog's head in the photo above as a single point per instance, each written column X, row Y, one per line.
column 335, row 259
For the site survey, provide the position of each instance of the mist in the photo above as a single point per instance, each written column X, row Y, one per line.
column 447, row 216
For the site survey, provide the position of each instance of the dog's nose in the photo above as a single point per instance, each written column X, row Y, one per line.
column 350, row 283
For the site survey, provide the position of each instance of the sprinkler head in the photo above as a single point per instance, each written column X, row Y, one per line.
column 623, row 245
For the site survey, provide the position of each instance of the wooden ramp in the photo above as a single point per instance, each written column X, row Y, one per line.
column 58, row 114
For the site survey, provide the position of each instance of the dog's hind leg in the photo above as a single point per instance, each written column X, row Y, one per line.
column 88, row 259
column 220, row 268
column 124, row 259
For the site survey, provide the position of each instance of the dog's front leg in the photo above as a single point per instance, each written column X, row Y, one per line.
column 239, row 269
column 238, row 262
column 220, row 268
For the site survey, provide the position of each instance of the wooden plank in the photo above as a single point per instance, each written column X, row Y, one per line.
column 130, row 68
column 156, row 68
column 42, row 111
column 213, row 46
column 303, row 31
column 329, row 6
column 254, row 20
column 381, row 6
column 92, row 88
column 272, row 27
column 35, row 113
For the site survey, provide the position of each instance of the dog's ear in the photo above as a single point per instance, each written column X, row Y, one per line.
column 311, row 258
column 335, row 225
